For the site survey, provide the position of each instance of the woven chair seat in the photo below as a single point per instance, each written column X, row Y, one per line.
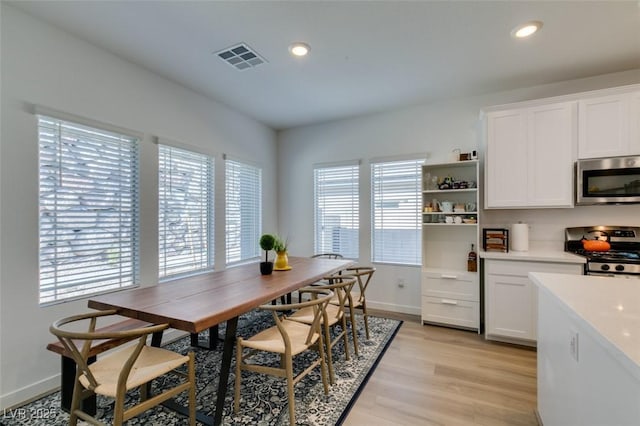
column 151, row 363
column 334, row 313
column 336, row 302
column 270, row 340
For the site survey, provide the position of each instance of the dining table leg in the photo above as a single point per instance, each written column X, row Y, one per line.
column 225, row 368
column 212, row 341
column 227, row 352
column 156, row 339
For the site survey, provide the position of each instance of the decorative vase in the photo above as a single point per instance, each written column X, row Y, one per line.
column 266, row 268
column 282, row 261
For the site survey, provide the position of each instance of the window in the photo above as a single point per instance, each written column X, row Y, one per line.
column 337, row 210
column 395, row 209
column 185, row 211
column 243, row 210
column 88, row 199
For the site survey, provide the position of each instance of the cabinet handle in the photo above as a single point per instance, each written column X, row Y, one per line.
column 449, row 277
column 449, row 302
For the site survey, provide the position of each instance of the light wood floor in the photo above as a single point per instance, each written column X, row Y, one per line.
column 441, row 376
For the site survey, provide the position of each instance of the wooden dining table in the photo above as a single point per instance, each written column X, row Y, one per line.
column 201, row 302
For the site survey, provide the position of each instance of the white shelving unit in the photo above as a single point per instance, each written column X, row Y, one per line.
column 450, row 293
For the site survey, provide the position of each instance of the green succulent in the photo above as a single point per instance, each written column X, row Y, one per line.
column 280, row 245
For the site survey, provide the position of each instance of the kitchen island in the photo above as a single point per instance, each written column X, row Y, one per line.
column 588, row 350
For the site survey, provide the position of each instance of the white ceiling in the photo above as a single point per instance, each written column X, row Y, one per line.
column 366, row 56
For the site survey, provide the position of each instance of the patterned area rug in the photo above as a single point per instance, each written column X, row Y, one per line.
column 264, row 398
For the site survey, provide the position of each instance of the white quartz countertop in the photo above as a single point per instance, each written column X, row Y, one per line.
column 538, row 252
column 610, row 307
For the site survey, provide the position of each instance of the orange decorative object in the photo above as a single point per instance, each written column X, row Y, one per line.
column 596, row 245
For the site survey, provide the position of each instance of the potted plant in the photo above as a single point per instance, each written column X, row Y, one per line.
column 282, row 260
column 267, row 241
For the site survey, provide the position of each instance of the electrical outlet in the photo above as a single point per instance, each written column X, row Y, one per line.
column 573, row 345
column 400, row 282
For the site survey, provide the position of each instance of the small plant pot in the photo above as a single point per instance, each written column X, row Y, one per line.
column 266, row 268
column 282, row 261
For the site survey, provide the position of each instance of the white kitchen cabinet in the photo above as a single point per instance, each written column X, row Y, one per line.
column 450, row 293
column 511, row 299
column 634, row 141
column 608, row 126
column 506, row 159
column 530, row 155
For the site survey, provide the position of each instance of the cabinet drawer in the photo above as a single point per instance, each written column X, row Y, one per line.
column 460, row 313
column 460, row 286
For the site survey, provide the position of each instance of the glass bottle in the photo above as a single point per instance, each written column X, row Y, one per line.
column 472, row 260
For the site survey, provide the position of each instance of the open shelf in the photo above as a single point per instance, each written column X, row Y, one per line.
column 447, row 213
column 450, row 224
column 450, row 293
column 444, row 191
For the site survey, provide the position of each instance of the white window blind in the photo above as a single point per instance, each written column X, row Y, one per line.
column 243, row 210
column 185, row 211
column 337, row 210
column 395, row 209
column 88, row 197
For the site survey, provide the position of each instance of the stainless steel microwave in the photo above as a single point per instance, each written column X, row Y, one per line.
column 612, row 180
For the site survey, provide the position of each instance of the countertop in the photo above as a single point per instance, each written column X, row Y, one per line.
column 539, row 251
column 610, row 308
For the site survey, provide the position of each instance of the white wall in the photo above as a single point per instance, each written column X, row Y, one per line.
column 435, row 128
column 44, row 66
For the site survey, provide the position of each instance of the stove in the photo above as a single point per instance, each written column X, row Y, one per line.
column 623, row 257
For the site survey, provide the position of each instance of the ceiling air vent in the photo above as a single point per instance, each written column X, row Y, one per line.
column 241, row 57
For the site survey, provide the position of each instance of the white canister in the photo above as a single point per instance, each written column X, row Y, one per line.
column 520, row 237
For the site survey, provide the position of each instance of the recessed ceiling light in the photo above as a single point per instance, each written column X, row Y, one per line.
column 527, row 29
column 299, row 49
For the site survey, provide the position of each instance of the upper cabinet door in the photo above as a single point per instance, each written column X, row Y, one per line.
column 530, row 156
column 506, row 159
column 603, row 126
column 634, row 121
column 551, row 147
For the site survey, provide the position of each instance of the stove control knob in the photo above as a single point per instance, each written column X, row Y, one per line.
column 605, row 267
column 619, row 268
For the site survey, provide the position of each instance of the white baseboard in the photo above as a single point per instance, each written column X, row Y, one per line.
column 28, row 393
column 390, row 307
column 18, row 397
